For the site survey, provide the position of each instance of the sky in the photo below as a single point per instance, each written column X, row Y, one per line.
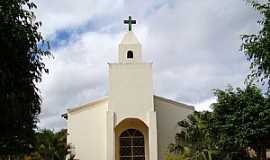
column 194, row 46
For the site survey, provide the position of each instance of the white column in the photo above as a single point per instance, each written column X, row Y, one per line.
column 153, row 146
column 110, row 136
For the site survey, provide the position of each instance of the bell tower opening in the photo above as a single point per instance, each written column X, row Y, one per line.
column 129, row 54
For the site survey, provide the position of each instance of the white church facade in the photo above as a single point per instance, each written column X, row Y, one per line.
column 131, row 123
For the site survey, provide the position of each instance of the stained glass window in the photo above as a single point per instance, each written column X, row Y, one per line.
column 132, row 145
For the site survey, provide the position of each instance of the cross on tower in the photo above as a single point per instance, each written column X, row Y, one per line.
column 129, row 22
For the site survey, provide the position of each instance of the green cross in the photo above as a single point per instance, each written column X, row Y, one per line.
column 129, row 22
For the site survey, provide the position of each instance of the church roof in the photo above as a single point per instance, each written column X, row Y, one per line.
column 87, row 104
column 175, row 102
column 129, row 38
column 70, row 110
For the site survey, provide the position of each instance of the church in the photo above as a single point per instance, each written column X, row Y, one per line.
column 131, row 123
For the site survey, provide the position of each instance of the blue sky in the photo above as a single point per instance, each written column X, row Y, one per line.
column 194, row 46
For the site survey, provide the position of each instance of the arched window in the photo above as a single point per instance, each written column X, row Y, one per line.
column 129, row 54
column 132, row 145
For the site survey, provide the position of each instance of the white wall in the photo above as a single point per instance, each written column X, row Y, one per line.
column 169, row 113
column 87, row 131
column 130, row 90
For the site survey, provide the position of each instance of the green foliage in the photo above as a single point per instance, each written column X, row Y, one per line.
column 241, row 120
column 51, row 146
column 237, row 127
column 21, row 51
column 183, row 155
column 257, row 46
column 194, row 142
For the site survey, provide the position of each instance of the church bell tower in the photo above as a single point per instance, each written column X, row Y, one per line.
column 129, row 49
column 130, row 105
column 130, row 80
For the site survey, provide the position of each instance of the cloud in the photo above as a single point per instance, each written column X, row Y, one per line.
column 69, row 14
column 194, row 46
column 206, row 104
column 78, row 74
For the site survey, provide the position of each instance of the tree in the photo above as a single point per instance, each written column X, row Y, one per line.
column 51, row 146
column 21, row 66
column 240, row 122
column 194, row 141
column 257, row 46
column 237, row 129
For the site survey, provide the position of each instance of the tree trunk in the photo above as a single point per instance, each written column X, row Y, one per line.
column 261, row 153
